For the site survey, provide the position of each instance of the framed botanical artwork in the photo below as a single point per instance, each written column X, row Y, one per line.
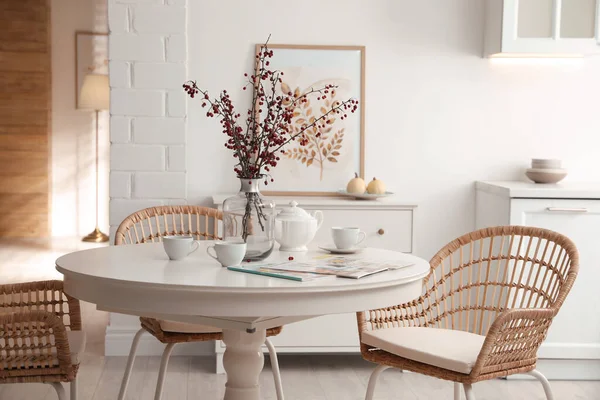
column 91, row 56
column 335, row 153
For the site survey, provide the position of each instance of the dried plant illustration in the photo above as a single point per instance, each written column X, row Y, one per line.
column 323, row 142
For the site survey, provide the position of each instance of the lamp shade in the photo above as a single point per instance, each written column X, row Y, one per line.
column 95, row 92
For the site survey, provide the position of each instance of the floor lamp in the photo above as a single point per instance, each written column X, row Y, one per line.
column 95, row 95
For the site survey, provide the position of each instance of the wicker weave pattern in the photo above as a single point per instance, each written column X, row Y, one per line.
column 151, row 224
column 505, row 282
column 34, row 319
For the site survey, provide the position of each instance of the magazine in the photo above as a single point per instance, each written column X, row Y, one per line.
column 268, row 270
column 344, row 267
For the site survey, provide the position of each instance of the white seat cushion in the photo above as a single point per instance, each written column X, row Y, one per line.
column 444, row 348
column 184, row 327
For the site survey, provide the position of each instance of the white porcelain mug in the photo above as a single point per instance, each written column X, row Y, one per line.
column 228, row 253
column 178, row 247
column 347, row 238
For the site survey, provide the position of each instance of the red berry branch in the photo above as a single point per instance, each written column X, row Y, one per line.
column 267, row 127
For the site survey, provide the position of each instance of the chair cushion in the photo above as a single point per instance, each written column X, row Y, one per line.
column 184, row 327
column 444, row 348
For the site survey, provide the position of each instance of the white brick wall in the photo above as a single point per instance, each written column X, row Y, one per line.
column 163, row 18
column 158, row 75
column 175, row 48
column 120, row 184
column 176, row 158
column 120, row 129
column 119, row 74
column 132, row 47
column 168, row 185
column 159, row 130
column 131, row 157
column 147, row 66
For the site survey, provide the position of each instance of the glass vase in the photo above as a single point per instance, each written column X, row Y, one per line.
column 248, row 217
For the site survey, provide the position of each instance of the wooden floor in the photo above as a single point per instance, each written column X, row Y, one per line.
column 304, row 378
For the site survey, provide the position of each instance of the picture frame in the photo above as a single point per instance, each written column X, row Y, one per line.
column 340, row 154
column 91, row 55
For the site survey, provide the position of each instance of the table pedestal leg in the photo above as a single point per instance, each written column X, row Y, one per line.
column 243, row 360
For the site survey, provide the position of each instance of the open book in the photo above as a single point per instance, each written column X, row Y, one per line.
column 344, row 267
column 321, row 267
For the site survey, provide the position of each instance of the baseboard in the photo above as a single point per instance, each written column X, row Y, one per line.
column 118, row 342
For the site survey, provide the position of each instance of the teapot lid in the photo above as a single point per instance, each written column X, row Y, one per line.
column 294, row 213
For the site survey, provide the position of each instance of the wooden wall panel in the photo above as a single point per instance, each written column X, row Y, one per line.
column 25, row 99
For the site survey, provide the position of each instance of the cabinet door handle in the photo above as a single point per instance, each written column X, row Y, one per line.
column 381, row 231
column 568, row 209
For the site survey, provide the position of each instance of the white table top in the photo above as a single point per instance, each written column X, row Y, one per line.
column 140, row 278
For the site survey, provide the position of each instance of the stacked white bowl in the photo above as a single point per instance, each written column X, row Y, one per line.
column 546, row 171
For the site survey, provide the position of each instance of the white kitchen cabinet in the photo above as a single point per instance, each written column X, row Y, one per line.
column 388, row 224
column 538, row 28
column 572, row 348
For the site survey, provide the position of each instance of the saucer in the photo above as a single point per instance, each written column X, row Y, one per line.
column 364, row 196
column 334, row 250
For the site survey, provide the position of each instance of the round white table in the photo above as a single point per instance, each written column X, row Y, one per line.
column 140, row 280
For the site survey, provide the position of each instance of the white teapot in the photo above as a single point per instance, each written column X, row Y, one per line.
column 295, row 228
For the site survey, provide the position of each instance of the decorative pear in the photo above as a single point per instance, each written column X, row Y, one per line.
column 356, row 185
column 376, row 187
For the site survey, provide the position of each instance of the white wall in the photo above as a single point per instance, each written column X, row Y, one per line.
column 73, row 156
column 147, row 52
column 438, row 116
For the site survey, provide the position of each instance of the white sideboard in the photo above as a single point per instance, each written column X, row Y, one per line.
column 572, row 348
column 388, row 224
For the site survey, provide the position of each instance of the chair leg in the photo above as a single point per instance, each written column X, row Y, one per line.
column 130, row 360
column 456, row 391
column 60, row 390
column 73, row 389
column 373, row 381
column 469, row 391
column 275, row 369
column 540, row 377
column 163, row 370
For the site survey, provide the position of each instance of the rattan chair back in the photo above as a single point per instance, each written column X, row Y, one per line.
column 151, row 224
column 483, row 273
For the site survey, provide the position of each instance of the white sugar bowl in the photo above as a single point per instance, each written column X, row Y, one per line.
column 295, row 228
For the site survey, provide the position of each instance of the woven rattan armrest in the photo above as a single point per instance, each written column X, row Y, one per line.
column 42, row 295
column 412, row 313
column 32, row 341
column 512, row 342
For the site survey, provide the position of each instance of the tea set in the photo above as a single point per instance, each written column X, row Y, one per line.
column 295, row 228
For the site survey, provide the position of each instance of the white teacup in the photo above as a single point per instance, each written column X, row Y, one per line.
column 178, row 247
column 228, row 253
column 347, row 238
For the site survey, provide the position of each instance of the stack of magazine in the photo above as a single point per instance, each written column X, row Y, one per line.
column 321, row 267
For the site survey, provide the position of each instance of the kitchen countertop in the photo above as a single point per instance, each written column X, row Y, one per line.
column 529, row 190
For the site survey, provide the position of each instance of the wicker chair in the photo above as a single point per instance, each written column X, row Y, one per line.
column 150, row 225
column 487, row 305
column 41, row 340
